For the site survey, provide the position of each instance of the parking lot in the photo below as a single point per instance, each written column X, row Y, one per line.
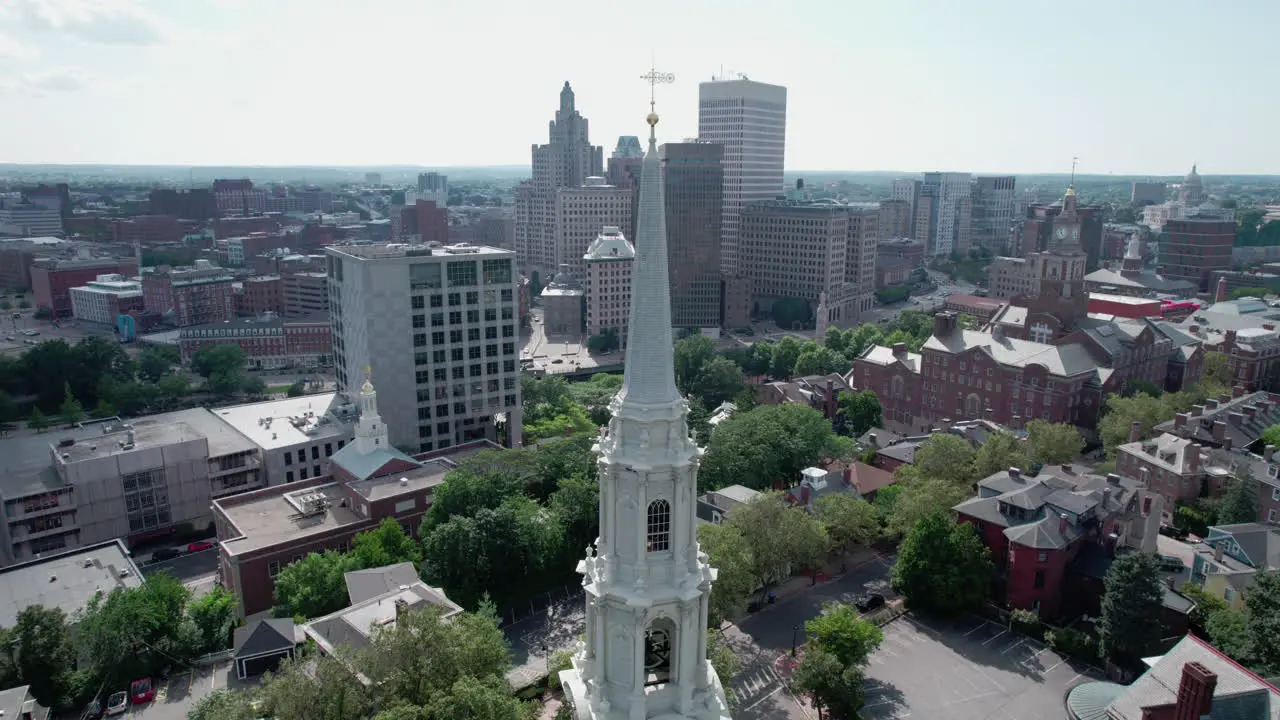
column 175, row 696
column 971, row 669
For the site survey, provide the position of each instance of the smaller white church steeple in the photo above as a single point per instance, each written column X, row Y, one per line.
column 371, row 433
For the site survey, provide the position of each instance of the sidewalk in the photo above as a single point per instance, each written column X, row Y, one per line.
column 860, row 557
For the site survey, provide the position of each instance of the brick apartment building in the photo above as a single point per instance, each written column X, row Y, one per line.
column 52, row 280
column 261, row 532
column 305, row 293
column 897, row 260
column 1193, row 248
column 229, row 227
column 196, row 204
column 17, row 255
column 260, row 294
column 239, row 197
column 269, row 341
column 149, row 230
column 425, row 220
column 820, row 392
column 981, row 309
column 1229, row 421
column 1037, row 528
column 187, row 296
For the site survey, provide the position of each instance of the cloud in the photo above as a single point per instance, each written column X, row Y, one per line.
column 104, row 22
column 12, row 49
column 44, row 84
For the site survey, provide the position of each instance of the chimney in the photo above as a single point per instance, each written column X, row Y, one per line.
column 899, row 350
column 1197, row 410
column 1113, row 479
column 1146, row 506
column 944, row 323
column 1217, row 552
column 1221, row 294
column 1135, row 431
column 1219, row 431
column 1195, row 691
column 1229, row 339
column 831, row 399
column 1062, row 524
column 1066, row 468
column 1192, row 453
column 1195, row 329
column 1237, row 391
column 1106, row 498
column 1267, row 452
column 804, row 495
column 402, row 607
column 1015, row 473
column 1180, row 420
column 1235, row 418
column 874, row 443
column 1224, row 398
column 944, row 425
column 848, row 476
column 1226, row 443
column 1250, row 410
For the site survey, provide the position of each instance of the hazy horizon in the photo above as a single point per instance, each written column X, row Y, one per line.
column 1145, row 88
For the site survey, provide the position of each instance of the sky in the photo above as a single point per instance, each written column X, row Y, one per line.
column 1128, row 86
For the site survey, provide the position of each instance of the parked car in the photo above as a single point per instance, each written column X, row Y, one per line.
column 1176, row 533
column 165, row 553
column 118, row 703
column 92, row 711
column 1171, row 563
column 199, row 546
column 142, row 691
column 867, row 603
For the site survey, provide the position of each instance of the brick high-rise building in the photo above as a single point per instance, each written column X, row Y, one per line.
column 425, row 221
column 580, row 213
column 566, row 161
column 694, row 176
column 860, row 261
column 148, row 230
column 750, row 120
column 196, row 204
column 261, row 294
column 52, row 280
column 1193, row 248
column 187, row 296
column 608, row 286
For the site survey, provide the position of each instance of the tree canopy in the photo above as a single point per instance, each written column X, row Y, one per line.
column 1239, row 501
column 1131, row 603
column 770, row 443
column 842, row 632
column 780, row 538
column 1052, row 443
column 942, row 567
column 862, row 412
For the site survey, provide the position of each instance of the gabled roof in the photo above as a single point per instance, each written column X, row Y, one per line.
column 1044, row 534
column 265, row 636
column 882, row 355
column 363, row 467
column 903, row 452
column 365, row 584
column 868, row 479
column 1061, row 360
column 1166, row 451
column 1260, row 543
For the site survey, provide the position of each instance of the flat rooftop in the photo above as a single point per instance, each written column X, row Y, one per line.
column 285, row 422
column 1122, row 299
column 399, row 250
column 149, row 431
column 67, row 581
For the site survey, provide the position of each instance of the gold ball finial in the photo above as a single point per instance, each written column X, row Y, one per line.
column 652, row 119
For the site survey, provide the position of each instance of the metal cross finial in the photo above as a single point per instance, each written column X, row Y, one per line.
column 653, row 77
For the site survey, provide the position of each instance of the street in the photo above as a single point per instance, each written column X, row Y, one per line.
column 197, row 571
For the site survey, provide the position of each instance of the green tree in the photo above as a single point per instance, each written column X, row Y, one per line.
column 223, row 704
column 1131, row 602
column 1001, row 451
column 772, row 442
column 297, row 389
column 43, row 653
column 479, row 699
column 1239, row 502
column 848, row 520
column 313, row 586
column 1052, row 443
column 596, row 394
column 386, row 544
column 576, row 506
column 1217, row 370
column 1229, row 631
column 1143, row 409
column 781, row 539
column 918, row 497
column 71, row 411
column 319, row 687
column 173, row 387
column 214, row 615
column 473, row 487
column 691, row 353
column 862, row 411
column 134, row 632
column 818, row 360
column 730, row 553
column 8, row 410
column 424, row 654
column 842, row 632
column 8, row 670
column 942, row 567
column 831, row 687
column 886, row 499
column 252, row 385
column 571, row 419
column 1271, row 436
column 718, row 381
column 946, row 457
column 222, row 359
column 1262, row 610
column 155, row 362
column 1206, row 604
column 725, row 662
column 785, row 354
column 37, row 421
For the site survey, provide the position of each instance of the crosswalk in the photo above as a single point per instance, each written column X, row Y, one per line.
column 755, row 682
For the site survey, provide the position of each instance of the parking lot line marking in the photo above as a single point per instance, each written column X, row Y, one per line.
column 1055, row 666
column 191, row 680
column 771, row 693
column 1015, row 646
column 976, row 629
column 992, row 639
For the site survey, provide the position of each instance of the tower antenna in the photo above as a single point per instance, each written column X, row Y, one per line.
column 1074, row 160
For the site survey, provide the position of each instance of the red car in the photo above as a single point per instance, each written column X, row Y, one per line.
column 142, row 691
column 196, row 547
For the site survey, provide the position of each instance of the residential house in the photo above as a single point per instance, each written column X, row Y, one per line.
column 713, row 506
column 820, row 392
column 1228, row 421
column 260, row 646
column 1227, row 561
column 18, row 703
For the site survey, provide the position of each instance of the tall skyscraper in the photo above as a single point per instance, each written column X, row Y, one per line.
column 581, row 212
column 646, row 581
column 750, row 120
column 694, row 188
column 567, row 160
column 799, row 250
column 624, row 171
column 437, row 327
column 907, row 191
column 951, row 212
column 993, row 218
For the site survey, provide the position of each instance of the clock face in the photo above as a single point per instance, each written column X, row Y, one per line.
column 1062, row 233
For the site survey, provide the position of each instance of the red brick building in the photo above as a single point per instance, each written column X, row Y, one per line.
column 1035, row 527
column 981, row 309
column 230, row 227
column 52, row 280
column 425, row 220
column 190, row 296
column 269, row 342
column 1125, row 306
column 197, row 204
column 260, row 294
column 261, row 532
column 1193, row 248
column 149, row 230
column 820, row 392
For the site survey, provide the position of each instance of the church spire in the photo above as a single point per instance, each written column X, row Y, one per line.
column 371, row 433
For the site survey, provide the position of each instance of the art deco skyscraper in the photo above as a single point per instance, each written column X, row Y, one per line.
column 750, row 120
column 567, row 160
column 646, row 581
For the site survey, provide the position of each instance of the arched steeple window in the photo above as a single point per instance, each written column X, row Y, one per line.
column 659, row 535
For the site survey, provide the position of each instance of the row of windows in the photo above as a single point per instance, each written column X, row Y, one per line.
column 315, row 453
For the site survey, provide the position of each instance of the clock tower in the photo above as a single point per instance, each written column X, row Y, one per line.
column 1059, row 271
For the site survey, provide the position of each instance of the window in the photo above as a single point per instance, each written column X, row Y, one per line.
column 659, row 534
column 462, row 273
column 473, row 297
column 273, row 569
column 315, row 452
column 437, row 301
column 288, row 477
column 1041, row 333
column 1039, row 581
column 288, row 458
column 1042, row 556
column 328, row 449
column 1229, row 595
column 455, row 317
column 418, row 303
column 419, row 321
column 455, row 299
column 437, row 319
column 315, row 471
column 424, row 276
column 302, row 474
column 406, row 505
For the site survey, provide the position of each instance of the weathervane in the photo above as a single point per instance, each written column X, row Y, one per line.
column 653, row 77
column 1074, row 160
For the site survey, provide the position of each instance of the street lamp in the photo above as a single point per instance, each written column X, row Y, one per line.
column 795, row 635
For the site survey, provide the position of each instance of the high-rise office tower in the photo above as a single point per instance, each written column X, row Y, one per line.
column 567, row 160
column 750, row 120
column 431, row 186
column 624, row 171
column 647, row 583
column 799, row 250
column 993, row 218
column 907, row 191
column 950, row 215
column 437, row 327
column 581, row 213
column 694, row 183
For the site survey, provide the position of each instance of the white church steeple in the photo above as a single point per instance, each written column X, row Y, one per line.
column 371, row 433
column 647, row 583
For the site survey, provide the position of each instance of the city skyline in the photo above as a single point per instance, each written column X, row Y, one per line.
column 226, row 82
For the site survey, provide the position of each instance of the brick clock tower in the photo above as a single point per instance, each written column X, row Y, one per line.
column 1062, row 301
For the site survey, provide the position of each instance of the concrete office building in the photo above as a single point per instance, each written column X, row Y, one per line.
column 305, row 293
column 562, row 305
column 951, row 212
column 66, row 581
column 52, row 279
column 566, row 161
column 860, row 259
column 1193, row 248
column 749, row 119
column 992, row 213
column 799, row 250
column 907, row 191
column 1147, row 193
column 437, row 327
column 580, row 213
column 295, row 436
column 105, row 299
column 431, row 186
column 895, row 219
column 608, row 287
column 694, row 196
column 31, row 219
